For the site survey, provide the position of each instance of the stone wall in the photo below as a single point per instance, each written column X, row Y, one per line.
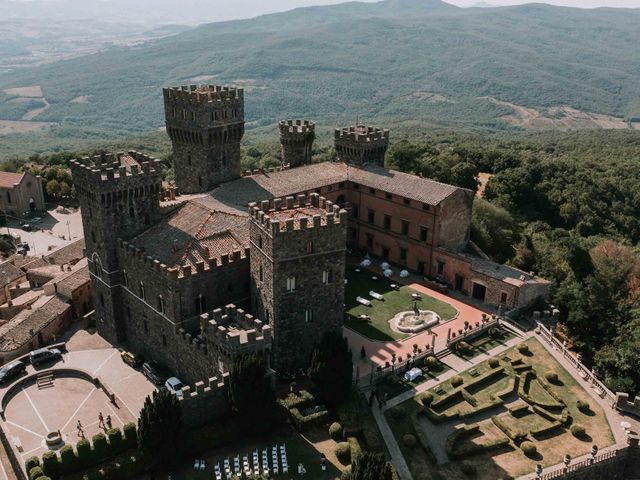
column 205, row 402
column 454, row 220
column 624, row 404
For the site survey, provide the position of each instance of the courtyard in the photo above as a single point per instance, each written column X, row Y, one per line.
column 499, row 418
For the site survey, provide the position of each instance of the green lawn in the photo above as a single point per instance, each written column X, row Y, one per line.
column 395, row 301
column 394, row 385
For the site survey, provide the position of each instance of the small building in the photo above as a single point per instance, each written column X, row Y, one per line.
column 21, row 194
column 10, row 277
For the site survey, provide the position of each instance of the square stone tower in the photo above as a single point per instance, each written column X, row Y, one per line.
column 206, row 125
column 360, row 145
column 296, row 141
column 297, row 274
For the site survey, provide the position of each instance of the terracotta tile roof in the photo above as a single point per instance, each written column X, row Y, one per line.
column 185, row 235
column 70, row 253
column 67, row 282
column 17, row 332
column 9, row 273
column 8, row 179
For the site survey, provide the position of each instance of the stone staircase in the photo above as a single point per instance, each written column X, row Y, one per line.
column 44, row 380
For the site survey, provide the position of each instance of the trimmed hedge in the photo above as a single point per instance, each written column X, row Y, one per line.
column 35, row 472
column 546, row 430
column 523, row 348
column 551, row 377
column 303, row 423
column 302, row 398
column 100, row 445
column 83, row 449
column 578, row 430
column 456, row 381
column 518, row 410
column 343, row 453
column 457, row 436
column 32, row 462
column 354, row 447
column 493, row 362
column 409, row 440
column 584, row 407
column 431, row 362
column 68, row 459
column 115, row 439
column 122, row 469
column 335, row 432
column 515, row 435
column 528, row 448
column 50, row 464
column 422, row 439
column 426, row 399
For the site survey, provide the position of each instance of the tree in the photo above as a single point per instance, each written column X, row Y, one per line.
column 371, row 466
column 465, row 175
column 619, row 362
column 251, row 394
column 493, row 229
column 53, row 187
column 331, row 368
column 159, row 428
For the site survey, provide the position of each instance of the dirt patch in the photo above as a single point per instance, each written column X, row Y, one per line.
column 32, row 92
column 483, row 178
column 31, row 114
column 562, row 117
column 81, row 99
column 18, row 126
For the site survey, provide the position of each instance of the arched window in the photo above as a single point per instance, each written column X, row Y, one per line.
column 341, row 200
column 291, row 284
column 132, row 212
column 142, row 292
column 125, row 278
column 160, row 304
column 309, row 246
column 201, row 304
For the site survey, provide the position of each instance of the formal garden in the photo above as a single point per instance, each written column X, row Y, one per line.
column 492, row 338
column 499, row 419
column 372, row 320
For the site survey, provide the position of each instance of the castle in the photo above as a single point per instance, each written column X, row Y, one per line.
column 254, row 262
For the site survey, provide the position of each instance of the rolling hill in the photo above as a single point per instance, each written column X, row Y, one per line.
column 395, row 62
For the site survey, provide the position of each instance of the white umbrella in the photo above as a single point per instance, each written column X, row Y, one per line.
column 388, row 272
column 365, row 263
column 384, row 266
column 404, row 274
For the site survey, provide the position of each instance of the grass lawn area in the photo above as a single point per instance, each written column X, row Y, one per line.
column 395, row 301
column 305, row 449
column 485, row 343
column 394, row 385
column 509, row 461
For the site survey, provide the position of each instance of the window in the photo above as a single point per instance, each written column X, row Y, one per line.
column 420, row 267
column 355, row 210
column 503, row 297
column 102, row 300
column 201, row 304
column 160, row 304
column 291, row 284
column 199, row 181
column 356, row 186
column 164, row 340
column 371, row 216
column 327, row 277
column 142, row 294
column 93, row 236
column 261, row 274
column 406, row 201
column 387, row 222
column 372, row 191
column 189, row 158
column 403, row 254
column 125, row 278
column 132, row 212
column 260, row 241
column 440, row 269
column 425, row 207
column 9, row 198
column 309, row 246
column 424, row 234
column 193, row 116
column 308, row 315
column 145, row 325
column 405, row 227
column 388, row 196
column 369, row 241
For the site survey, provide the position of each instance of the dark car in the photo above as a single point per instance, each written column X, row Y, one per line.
column 26, row 227
column 11, row 370
column 132, row 359
column 43, row 355
column 152, row 372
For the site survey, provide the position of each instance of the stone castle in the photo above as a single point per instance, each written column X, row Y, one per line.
column 254, row 262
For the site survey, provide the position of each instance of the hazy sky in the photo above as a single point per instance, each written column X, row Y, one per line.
column 568, row 3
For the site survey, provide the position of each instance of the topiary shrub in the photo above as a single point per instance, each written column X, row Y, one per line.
column 50, row 464
column 456, row 380
column 551, row 377
column 426, row 398
column 335, row 432
column 468, row 469
column 32, row 462
column 528, row 448
column 115, row 439
column 584, row 407
column 130, row 434
column 463, row 347
column 35, row 472
column 578, row 430
column 409, row 440
column 523, row 348
column 431, row 362
column 100, row 446
column 494, row 362
column 343, row 453
column 397, row 413
column 346, row 474
column 83, row 447
column 68, row 459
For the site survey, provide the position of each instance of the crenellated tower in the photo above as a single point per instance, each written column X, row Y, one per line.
column 205, row 124
column 296, row 141
column 119, row 197
column 360, row 145
column 297, row 271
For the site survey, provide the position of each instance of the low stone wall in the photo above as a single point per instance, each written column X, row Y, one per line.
column 625, row 405
column 472, row 332
column 206, row 402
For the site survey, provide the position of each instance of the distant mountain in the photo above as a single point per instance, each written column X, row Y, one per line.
column 392, row 62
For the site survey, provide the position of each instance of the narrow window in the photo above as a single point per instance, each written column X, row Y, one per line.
column 403, row 254
column 125, row 277
column 440, row 267
column 142, row 293
column 164, row 340
column 369, row 241
column 420, row 267
column 145, row 325
column 308, row 315
column 160, row 304
column 405, row 227
column 503, row 297
column 407, row 201
column 102, row 300
column 424, row 234
column 388, row 196
column 260, row 241
column 309, row 246
column 387, row 222
column 291, row 284
column 355, row 210
column 371, row 216
column 261, row 274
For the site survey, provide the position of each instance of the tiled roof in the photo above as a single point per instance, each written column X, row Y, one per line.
column 184, row 236
column 9, row 273
column 17, row 332
column 8, row 179
column 70, row 253
column 69, row 281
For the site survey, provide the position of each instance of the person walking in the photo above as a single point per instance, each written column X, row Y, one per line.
column 108, row 422
column 80, row 429
column 100, row 420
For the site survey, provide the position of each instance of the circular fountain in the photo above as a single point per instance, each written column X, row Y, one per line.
column 414, row 321
column 54, row 440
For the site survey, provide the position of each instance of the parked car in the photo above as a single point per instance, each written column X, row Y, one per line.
column 151, row 371
column 26, row 227
column 43, row 355
column 24, row 246
column 132, row 359
column 11, row 370
column 174, row 385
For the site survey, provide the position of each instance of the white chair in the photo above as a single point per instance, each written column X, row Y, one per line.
column 196, row 464
column 202, row 465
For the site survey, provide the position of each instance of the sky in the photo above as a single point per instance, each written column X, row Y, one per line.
column 566, row 3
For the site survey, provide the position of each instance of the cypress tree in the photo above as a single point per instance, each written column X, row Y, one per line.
column 331, row 368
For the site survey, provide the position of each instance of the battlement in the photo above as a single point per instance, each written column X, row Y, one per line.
column 179, row 272
column 115, row 168
column 262, row 171
column 279, row 215
column 296, row 129
column 235, row 331
column 203, row 94
column 362, row 134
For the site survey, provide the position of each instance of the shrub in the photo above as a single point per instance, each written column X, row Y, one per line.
column 528, row 448
column 523, row 348
column 335, row 431
column 356, row 449
column 83, row 447
column 494, row 362
column 68, row 458
column 578, row 430
column 467, row 468
column 463, row 347
column 409, row 440
column 397, row 413
column 115, row 439
column 35, row 472
column 130, row 434
column 431, row 362
column 346, row 474
column 50, row 464
column 456, row 380
column 584, row 407
column 426, row 399
column 551, row 377
column 343, row 453
column 100, row 446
